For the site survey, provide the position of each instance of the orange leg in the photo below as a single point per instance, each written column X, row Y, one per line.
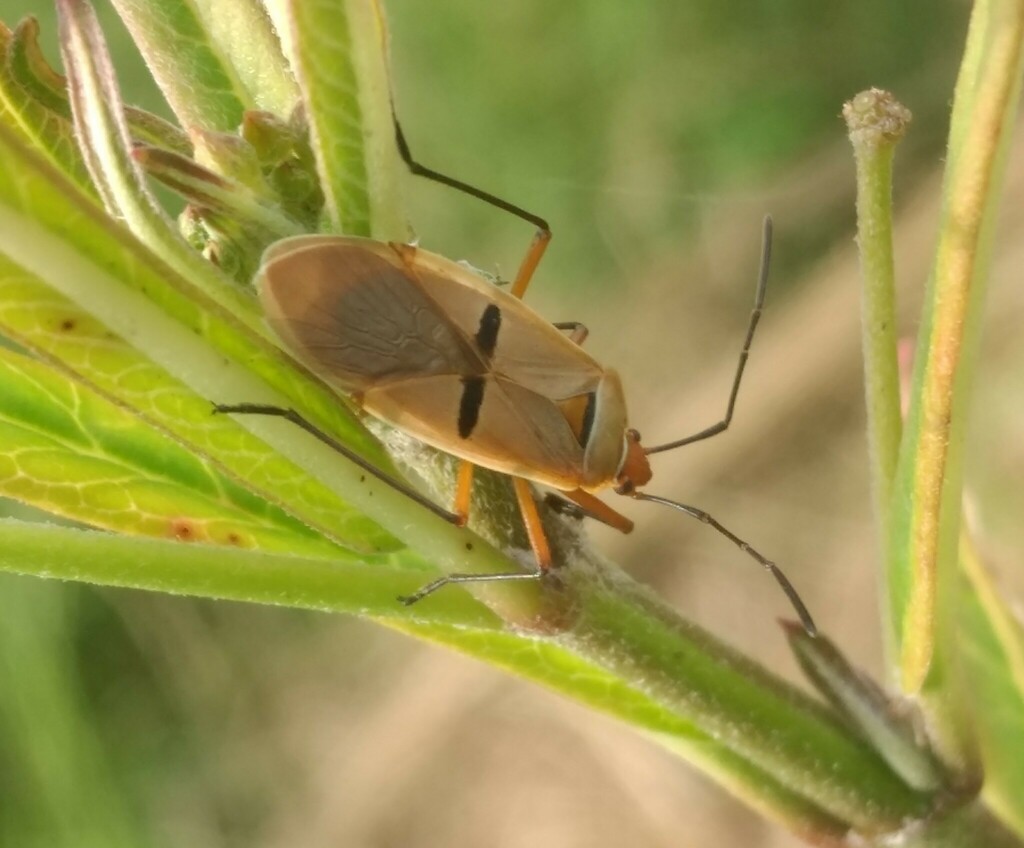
column 540, row 241
column 534, row 529
column 530, row 262
column 463, row 492
column 596, row 508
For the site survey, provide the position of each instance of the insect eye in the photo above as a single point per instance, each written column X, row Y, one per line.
column 633, row 435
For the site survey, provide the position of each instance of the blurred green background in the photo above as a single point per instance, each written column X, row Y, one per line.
column 654, row 137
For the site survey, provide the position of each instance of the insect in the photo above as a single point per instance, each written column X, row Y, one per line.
column 447, row 356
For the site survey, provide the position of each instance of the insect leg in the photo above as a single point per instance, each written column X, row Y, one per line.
column 530, row 262
column 578, row 331
column 463, row 491
column 455, row 579
column 599, row 510
column 755, row 316
column 294, row 417
column 540, row 240
column 534, row 529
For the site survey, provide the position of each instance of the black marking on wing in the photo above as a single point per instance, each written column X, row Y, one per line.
column 588, row 419
column 469, row 406
column 487, row 333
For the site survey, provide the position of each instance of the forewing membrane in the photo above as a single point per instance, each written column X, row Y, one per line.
column 527, row 350
column 515, row 430
column 352, row 313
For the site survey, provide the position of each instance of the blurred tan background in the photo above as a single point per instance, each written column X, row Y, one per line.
column 654, row 139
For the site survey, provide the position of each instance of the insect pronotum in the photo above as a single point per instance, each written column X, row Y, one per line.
column 432, row 348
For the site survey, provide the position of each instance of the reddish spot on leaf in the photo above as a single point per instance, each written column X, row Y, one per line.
column 183, row 530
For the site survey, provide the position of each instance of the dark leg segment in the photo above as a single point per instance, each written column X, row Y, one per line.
column 455, row 579
column 294, row 417
column 540, row 240
column 437, row 177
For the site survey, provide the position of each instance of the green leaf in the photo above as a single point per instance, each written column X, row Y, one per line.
column 893, row 728
column 341, row 583
column 67, row 450
column 212, row 58
column 153, row 130
column 927, row 493
column 220, row 197
column 49, row 128
column 993, row 650
column 40, row 319
column 336, row 52
column 106, row 143
column 201, row 87
column 29, row 69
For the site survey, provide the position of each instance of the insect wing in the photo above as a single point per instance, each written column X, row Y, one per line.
column 488, row 420
column 350, row 310
column 531, row 413
column 437, row 351
column 513, row 339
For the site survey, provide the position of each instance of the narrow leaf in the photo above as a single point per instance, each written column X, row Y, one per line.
column 338, row 54
column 67, row 450
column 993, row 648
column 49, row 129
column 341, row 583
column 42, row 320
column 153, row 130
column 926, row 505
column 32, row 72
column 241, row 208
column 106, row 142
column 894, row 729
column 212, row 59
column 202, row 89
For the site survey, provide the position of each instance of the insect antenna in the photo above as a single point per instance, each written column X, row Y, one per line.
column 794, row 598
column 755, row 316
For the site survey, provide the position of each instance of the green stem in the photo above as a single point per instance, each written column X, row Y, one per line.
column 876, row 123
column 768, row 722
column 626, row 655
column 972, row 826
